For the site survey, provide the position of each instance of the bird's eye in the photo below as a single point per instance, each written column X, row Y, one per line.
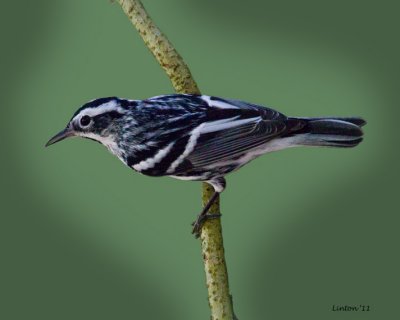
column 85, row 120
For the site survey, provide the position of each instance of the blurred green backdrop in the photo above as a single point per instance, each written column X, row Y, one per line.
column 83, row 237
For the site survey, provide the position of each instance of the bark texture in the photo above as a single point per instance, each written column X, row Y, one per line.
column 161, row 48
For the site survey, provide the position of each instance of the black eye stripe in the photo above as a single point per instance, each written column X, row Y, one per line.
column 109, row 114
column 85, row 120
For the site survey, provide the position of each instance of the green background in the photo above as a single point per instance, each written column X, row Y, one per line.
column 84, row 237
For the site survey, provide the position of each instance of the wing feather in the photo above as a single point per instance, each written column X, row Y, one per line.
column 232, row 140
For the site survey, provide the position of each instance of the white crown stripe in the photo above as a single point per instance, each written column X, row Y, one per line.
column 104, row 108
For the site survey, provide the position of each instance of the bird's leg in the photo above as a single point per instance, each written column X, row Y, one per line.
column 203, row 216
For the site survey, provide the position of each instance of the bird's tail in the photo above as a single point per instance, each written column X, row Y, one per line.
column 329, row 131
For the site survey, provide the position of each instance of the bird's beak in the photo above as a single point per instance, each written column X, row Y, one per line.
column 67, row 132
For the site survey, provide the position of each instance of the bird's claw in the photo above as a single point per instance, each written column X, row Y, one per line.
column 198, row 224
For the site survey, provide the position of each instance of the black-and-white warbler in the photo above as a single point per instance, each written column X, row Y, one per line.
column 202, row 138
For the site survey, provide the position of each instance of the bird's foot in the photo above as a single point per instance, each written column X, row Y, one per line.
column 198, row 224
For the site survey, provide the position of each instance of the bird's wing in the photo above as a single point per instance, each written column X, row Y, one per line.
column 227, row 138
column 186, row 133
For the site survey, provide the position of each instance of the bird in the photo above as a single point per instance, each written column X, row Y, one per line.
column 199, row 137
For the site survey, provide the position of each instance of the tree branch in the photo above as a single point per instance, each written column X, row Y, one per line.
column 212, row 246
column 161, row 48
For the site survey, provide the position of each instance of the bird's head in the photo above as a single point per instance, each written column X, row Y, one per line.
column 99, row 120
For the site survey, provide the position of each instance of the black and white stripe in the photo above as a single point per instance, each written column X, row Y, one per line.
column 192, row 137
column 200, row 132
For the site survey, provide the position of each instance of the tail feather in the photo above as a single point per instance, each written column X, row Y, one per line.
column 331, row 132
column 354, row 120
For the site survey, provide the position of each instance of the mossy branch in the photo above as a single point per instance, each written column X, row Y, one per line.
column 212, row 246
column 161, row 48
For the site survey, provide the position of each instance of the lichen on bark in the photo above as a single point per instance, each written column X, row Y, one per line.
column 161, row 48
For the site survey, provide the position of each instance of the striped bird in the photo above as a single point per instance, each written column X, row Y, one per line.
column 198, row 137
